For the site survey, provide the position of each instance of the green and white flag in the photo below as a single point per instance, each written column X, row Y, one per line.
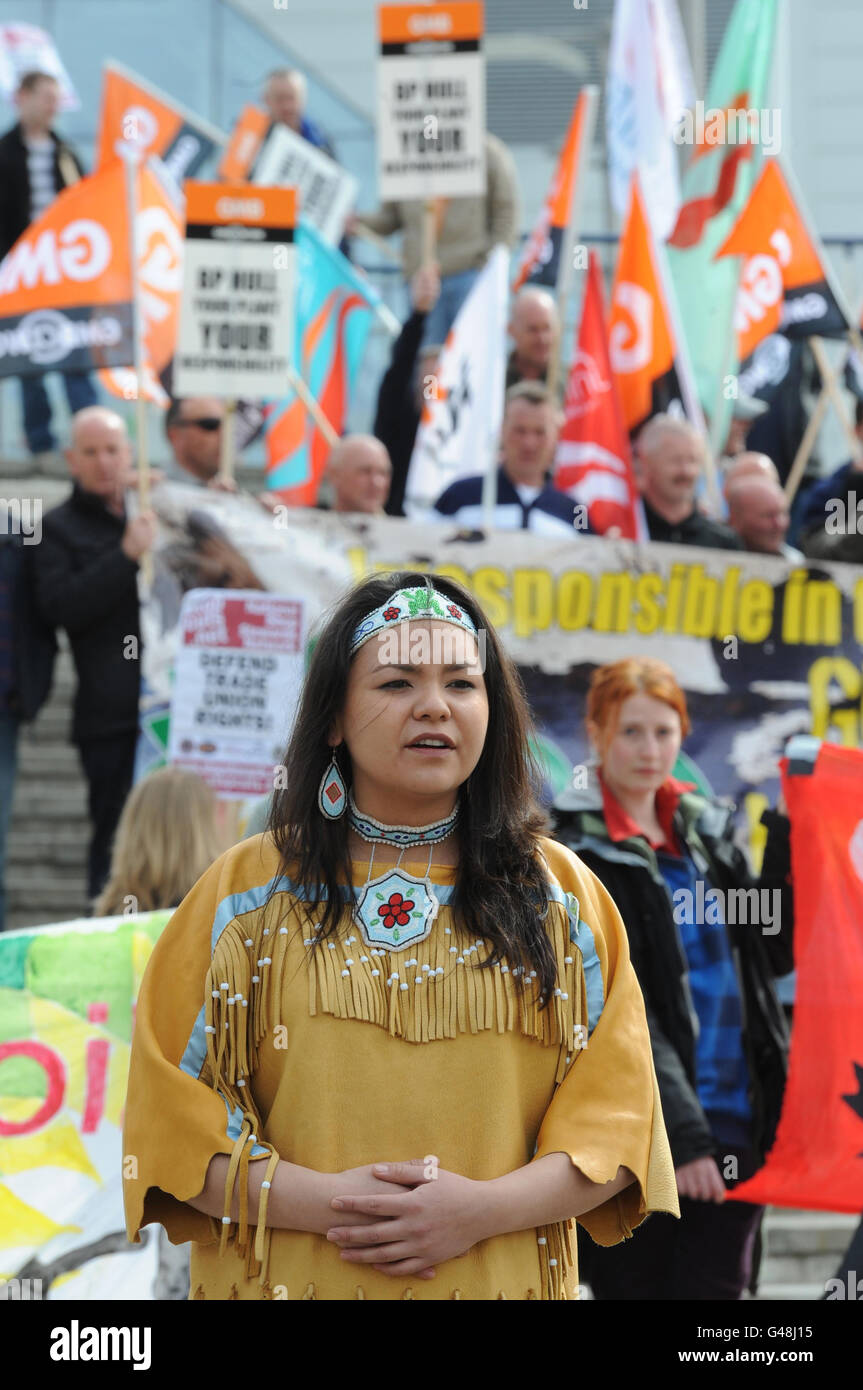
column 728, row 137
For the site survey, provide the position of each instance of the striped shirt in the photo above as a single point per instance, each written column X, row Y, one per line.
column 40, row 173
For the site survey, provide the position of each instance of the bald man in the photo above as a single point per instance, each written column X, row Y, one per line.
column 749, row 465
column 758, row 511
column 86, row 581
column 534, row 328
column 359, row 472
column 284, row 95
column 669, row 458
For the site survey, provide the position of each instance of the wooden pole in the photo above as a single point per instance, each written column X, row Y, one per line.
column 428, row 243
column 801, row 458
column 312, row 407
column 228, row 452
column 828, row 376
column 131, row 159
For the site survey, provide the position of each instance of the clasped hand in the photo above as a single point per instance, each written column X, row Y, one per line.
column 432, row 1215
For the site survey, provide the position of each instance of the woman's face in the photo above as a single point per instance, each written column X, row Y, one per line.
column 644, row 746
column 414, row 720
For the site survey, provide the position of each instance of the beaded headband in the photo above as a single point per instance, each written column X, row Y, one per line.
column 405, row 605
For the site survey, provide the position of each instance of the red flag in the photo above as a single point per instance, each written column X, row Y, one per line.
column 817, row 1159
column 540, row 260
column 593, row 461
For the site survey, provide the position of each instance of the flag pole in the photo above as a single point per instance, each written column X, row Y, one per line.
column 227, row 450
column 831, row 385
column 804, row 449
column 312, row 407
column 132, row 163
column 576, row 192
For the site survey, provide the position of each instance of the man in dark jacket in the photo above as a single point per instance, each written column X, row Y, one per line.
column 669, row 459
column 86, row 582
column 27, row 649
column 36, row 165
column 629, row 868
column 408, row 381
column 831, row 526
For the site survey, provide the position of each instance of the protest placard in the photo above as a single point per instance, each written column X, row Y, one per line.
column 431, row 101
column 238, row 674
column 237, row 304
column 326, row 191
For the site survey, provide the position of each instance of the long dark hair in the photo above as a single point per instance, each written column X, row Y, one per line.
column 500, row 884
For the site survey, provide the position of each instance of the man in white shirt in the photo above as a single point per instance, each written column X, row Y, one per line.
column 525, row 499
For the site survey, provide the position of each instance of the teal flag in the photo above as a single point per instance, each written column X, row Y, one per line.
column 727, row 137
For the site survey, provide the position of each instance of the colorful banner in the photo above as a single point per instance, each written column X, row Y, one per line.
column 334, row 307
column 593, row 462
column 763, row 649
column 540, row 260
column 785, row 284
column 136, row 113
column 817, row 1159
column 67, row 996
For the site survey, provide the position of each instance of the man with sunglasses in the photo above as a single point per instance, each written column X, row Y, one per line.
column 194, row 429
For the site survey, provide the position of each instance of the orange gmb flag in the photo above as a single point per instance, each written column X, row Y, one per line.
column 785, row 283
column 136, row 113
column 244, row 146
column 159, row 242
column 593, row 461
column 540, row 261
column 66, row 286
column 817, row 1159
column 641, row 337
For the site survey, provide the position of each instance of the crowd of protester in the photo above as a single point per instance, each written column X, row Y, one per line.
column 82, row 578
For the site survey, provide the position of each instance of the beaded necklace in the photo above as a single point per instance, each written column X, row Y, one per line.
column 397, row 909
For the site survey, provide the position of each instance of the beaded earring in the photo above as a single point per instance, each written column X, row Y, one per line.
column 332, row 793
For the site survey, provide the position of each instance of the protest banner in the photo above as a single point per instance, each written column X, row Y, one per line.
column 817, row 1158
column 67, row 997
column 135, row 112
column 431, row 101
column 237, row 303
column 27, row 48
column 66, row 299
column 238, row 674
column 763, row 649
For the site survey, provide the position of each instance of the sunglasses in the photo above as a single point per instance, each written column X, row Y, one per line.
column 207, row 422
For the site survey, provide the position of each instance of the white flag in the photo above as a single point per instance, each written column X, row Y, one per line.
column 463, row 403
column 650, row 85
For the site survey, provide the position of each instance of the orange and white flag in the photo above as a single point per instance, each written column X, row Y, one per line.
column 785, row 284
column 540, row 261
column 593, row 461
column 136, row 113
column 647, row 353
column 66, row 295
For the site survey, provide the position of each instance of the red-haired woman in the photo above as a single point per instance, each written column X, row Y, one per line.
column 704, row 956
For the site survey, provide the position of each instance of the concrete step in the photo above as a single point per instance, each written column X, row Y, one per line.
column 60, row 801
column 808, row 1232
column 58, row 900
column 788, row 1293
column 48, row 761
column 33, row 847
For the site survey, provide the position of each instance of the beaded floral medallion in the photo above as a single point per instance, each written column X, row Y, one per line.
column 396, row 910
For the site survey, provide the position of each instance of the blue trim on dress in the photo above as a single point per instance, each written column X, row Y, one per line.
column 581, row 936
